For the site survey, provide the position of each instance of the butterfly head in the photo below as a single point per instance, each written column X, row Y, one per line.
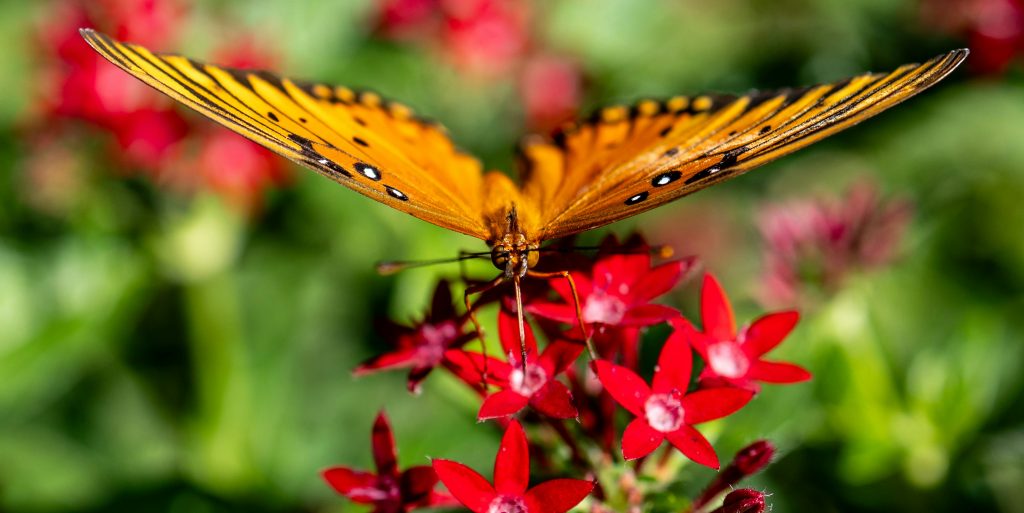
column 514, row 255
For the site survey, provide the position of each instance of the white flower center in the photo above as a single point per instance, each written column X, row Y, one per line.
column 527, row 383
column 604, row 308
column 728, row 360
column 507, row 504
column 664, row 412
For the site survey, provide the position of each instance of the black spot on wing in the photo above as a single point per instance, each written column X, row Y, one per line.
column 395, row 193
column 666, row 178
column 633, row 200
column 368, row 171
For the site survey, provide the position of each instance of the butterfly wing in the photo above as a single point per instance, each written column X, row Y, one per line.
column 627, row 161
column 377, row 148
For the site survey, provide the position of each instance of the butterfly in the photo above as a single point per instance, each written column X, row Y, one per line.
column 618, row 163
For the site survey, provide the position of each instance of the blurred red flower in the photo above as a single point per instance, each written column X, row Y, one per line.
column 817, row 242
column 389, row 490
column 735, row 359
column 665, row 409
column 510, row 494
column 994, row 29
column 422, row 346
column 551, row 88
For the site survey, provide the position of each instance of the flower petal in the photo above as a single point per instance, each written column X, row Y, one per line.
column 512, row 465
column 508, row 334
column 357, row 485
column 779, row 372
column 465, row 484
column 469, row 367
column 417, row 485
column 501, row 404
column 384, row 447
column 554, row 400
column 697, row 340
column 393, row 360
column 715, row 310
column 674, row 365
column 768, row 331
column 559, row 355
column 693, row 445
column 661, row 279
column 649, row 315
column 557, row 495
column 715, row 403
column 640, row 439
column 555, row 311
column 442, row 308
column 584, row 287
column 416, row 377
column 624, row 385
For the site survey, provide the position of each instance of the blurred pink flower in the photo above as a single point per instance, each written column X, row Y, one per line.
column 994, row 29
column 486, row 37
column 551, row 88
column 407, row 19
column 817, row 242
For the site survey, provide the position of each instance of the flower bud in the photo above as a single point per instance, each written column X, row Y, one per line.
column 750, row 460
column 744, row 500
column 754, row 457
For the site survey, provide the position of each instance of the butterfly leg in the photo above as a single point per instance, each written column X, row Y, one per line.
column 480, row 288
column 576, row 303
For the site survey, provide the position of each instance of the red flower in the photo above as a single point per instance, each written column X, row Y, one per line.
column 735, row 359
column 389, row 490
column 511, row 478
column 615, row 297
column 665, row 409
column 536, row 387
column 422, row 346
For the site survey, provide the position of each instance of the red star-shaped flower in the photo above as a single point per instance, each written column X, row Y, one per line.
column 615, row 296
column 536, row 386
column 735, row 359
column 665, row 409
column 389, row 490
column 422, row 347
column 509, row 494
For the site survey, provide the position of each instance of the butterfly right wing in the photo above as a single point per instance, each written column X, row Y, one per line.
column 624, row 162
column 377, row 148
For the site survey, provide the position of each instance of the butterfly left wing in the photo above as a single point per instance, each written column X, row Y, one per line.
column 374, row 147
column 627, row 161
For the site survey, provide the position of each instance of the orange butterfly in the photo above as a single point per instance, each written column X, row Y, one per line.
column 621, row 162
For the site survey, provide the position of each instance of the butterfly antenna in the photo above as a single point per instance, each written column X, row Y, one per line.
column 662, row 251
column 390, row 267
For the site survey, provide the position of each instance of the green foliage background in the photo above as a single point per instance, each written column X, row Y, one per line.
column 162, row 353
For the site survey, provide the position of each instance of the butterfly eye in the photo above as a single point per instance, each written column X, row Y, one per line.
column 499, row 259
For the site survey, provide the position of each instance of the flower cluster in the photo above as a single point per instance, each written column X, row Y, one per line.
column 490, row 39
column 541, row 379
column 79, row 86
column 815, row 243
